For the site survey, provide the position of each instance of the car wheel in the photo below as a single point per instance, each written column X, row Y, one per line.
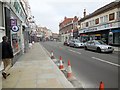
column 85, row 48
column 74, row 46
column 98, row 50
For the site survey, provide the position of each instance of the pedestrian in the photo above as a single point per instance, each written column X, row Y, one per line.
column 7, row 55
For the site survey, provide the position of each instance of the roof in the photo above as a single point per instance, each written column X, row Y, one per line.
column 103, row 9
column 67, row 20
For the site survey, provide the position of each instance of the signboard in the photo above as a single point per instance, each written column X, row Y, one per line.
column 13, row 22
column 15, row 28
column 100, row 27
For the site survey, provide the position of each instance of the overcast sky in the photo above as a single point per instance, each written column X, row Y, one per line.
column 50, row 12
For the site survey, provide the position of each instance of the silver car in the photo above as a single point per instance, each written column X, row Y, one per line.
column 98, row 46
column 76, row 43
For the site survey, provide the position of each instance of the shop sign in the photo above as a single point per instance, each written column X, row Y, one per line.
column 108, row 26
column 89, row 30
column 15, row 28
column 13, row 22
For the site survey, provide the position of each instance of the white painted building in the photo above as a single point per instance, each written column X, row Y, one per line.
column 100, row 23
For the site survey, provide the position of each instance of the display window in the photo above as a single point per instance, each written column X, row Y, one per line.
column 15, row 43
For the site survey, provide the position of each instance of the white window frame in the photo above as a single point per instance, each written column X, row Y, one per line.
column 106, row 18
column 101, row 20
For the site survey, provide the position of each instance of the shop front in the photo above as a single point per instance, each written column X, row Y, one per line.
column 108, row 33
column 15, row 24
column 95, row 35
column 17, row 18
column 116, row 36
column 2, row 28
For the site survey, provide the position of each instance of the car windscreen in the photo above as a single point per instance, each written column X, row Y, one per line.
column 77, row 41
column 99, row 42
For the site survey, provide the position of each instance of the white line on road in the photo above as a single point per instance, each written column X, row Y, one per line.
column 106, row 61
column 74, row 51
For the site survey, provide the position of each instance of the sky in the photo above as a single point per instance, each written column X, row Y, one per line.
column 49, row 13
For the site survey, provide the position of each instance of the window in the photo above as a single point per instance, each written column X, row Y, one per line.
column 93, row 22
column 118, row 15
column 86, row 24
column 111, row 16
column 90, row 23
column 101, row 20
column 106, row 18
column 97, row 21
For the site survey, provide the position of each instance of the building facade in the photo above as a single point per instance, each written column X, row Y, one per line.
column 67, row 28
column 44, row 33
column 103, row 24
column 2, row 21
column 14, row 23
column 2, row 26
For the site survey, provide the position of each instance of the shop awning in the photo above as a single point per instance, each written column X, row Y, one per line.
column 115, row 31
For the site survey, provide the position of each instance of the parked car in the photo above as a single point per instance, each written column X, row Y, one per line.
column 66, row 43
column 76, row 43
column 98, row 46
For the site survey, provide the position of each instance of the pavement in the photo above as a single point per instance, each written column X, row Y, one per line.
column 116, row 48
column 35, row 69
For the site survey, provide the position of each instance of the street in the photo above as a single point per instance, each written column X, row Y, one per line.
column 89, row 67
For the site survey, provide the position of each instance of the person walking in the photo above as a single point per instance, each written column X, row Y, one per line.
column 7, row 55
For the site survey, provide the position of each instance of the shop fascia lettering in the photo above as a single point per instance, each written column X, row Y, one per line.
column 89, row 29
column 109, row 26
column 18, row 9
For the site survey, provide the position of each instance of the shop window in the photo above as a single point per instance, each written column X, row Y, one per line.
column 111, row 16
column 15, row 43
column 97, row 21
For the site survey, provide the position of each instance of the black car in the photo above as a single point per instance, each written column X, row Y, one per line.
column 66, row 43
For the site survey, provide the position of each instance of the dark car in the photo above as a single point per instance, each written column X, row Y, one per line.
column 66, row 43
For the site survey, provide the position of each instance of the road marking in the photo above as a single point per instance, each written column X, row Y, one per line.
column 106, row 61
column 74, row 51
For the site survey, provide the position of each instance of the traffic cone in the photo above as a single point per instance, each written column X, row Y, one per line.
column 61, row 67
column 52, row 56
column 69, row 71
column 101, row 86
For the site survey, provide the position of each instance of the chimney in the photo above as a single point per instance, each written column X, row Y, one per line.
column 84, row 12
column 65, row 17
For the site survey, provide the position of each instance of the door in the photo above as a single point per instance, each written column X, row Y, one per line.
column 93, row 46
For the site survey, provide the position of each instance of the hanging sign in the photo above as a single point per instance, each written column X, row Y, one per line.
column 15, row 28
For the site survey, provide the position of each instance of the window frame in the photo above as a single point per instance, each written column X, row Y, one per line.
column 112, row 16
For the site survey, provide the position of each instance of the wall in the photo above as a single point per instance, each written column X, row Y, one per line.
column 100, row 15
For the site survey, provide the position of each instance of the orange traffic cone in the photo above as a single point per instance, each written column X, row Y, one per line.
column 52, row 56
column 61, row 67
column 101, row 86
column 69, row 71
